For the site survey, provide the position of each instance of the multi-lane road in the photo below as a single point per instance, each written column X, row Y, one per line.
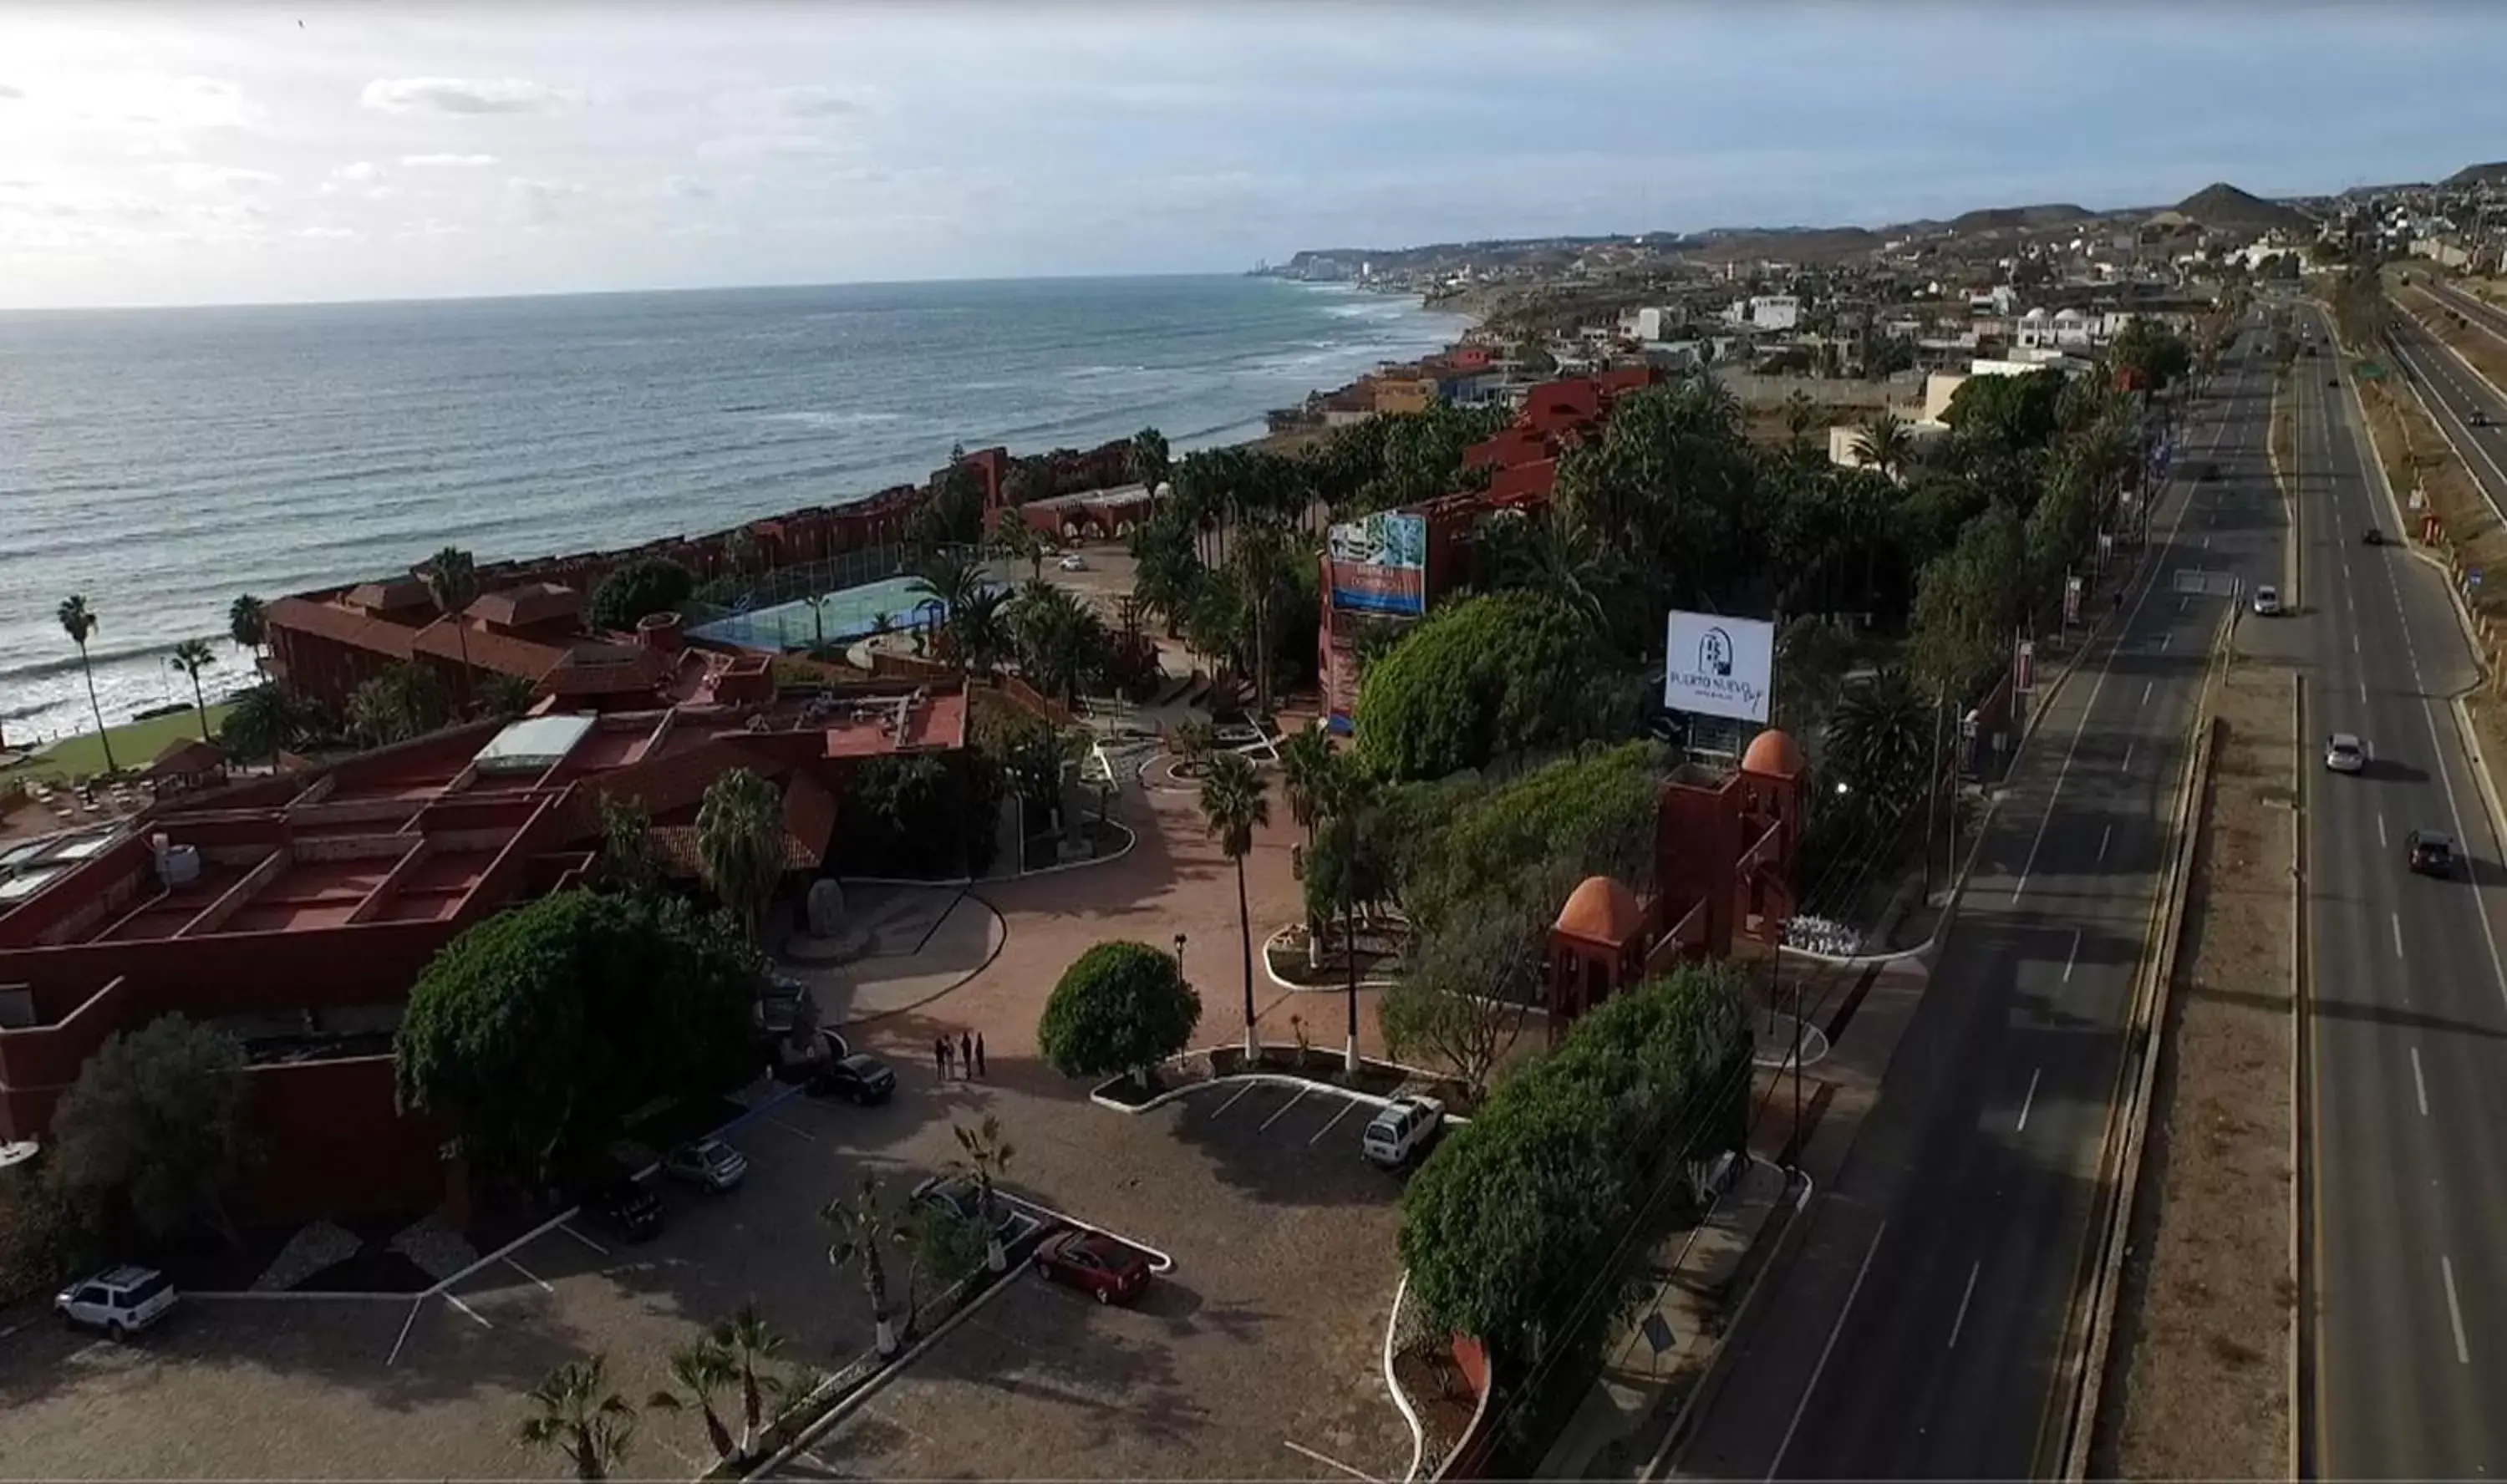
column 1919, row 1330
column 2409, row 1003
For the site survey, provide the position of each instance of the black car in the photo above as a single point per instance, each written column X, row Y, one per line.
column 2479, row 418
column 861, row 1079
column 627, row 1208
column 2429, row 853
column 2333, row 382
column 2373, row 537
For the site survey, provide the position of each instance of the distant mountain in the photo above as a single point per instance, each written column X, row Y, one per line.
column 2494, row 173
column 2223, row 207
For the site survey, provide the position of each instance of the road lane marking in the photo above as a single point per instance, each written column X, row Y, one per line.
column 2354, row 641
column 2382, row 843
column 2207, row 543
column 2029, row 1101
column 1966, row 1294
column 1820, row 1367
column 2181, row 602
column 2162, row 641
column 2453, row 1312
column 2104, row 836
column 1345, row 1107
column 1284, row 1109
column 2128, row 759
column 1232, row 1102
column 2067, row 971
column 2420, row 1084
column 1328, row 1461
column 2145, row 691
column 2363, row 692
column 2396, row 918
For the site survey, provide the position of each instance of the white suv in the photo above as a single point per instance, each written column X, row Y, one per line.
column 120, row 1301
column 1401, row 1130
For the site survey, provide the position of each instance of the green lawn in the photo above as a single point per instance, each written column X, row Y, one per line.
column 133, row 744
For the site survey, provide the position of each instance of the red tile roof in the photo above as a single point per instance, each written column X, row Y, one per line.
column 343, row 626
column 184, row 756
column 529, row 606
column 503, row 653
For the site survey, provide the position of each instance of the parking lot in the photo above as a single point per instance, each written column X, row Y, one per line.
column 1260, row 1352
column 1259, row 1357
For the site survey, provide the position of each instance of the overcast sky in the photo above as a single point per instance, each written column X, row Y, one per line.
column 208, row 152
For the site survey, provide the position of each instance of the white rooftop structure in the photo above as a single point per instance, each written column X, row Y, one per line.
column 534, row 745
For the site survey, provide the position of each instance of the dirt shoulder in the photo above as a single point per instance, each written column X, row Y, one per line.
column 2203, row 1318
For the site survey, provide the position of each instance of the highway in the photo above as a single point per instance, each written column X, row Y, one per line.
column 2409, row 1100
column 1916, row 1331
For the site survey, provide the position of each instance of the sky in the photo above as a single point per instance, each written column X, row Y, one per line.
column 205, row 153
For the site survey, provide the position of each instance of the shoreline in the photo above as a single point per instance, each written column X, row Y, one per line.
column 57, row 715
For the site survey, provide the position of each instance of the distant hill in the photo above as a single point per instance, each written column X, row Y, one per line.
column 2494, row 173
column 2014, row 218
column 2223, row 207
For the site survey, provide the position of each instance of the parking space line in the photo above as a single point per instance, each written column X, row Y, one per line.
column 1328, row 1461
column 1284, row 1109
column 793, row 1129
column 595, row 1247
column 1232, row 1102
column 1345, row 1107
column 528, row 1273
column 393, row 1359
column 466, row 1309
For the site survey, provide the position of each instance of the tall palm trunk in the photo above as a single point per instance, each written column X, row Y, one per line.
column 1349, row 954
column 199, row 705
column 1245, row 930
column 96, row 708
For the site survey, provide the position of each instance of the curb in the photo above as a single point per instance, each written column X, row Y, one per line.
column 1131, row 838
column 1294, row 987
column 2445, row 571
column 1097, row 1095
column 1702, row 1396
column 1393, row 1383
column 955, row 985
column 2301, row 1060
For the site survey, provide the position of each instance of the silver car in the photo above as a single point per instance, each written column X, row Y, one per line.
column 2344, row 753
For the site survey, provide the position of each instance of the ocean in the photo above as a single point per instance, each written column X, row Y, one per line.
column 161, row 461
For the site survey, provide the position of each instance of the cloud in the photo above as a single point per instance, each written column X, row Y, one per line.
column 759, row 146
column 218, row 177
column 815, row 102
column 458, row 96
column 326, row 234
column 542, row 201
column 9, row 91
column 681, row 188
column 363, row 169
column 447, row 162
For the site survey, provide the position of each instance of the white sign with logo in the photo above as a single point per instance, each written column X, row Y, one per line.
column 1716, row 666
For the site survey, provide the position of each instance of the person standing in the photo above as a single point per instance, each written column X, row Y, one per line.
column 940, row 1057
column 979, row 1053
column 966, row 1054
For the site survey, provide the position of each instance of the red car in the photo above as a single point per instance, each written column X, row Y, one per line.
column 1095, row 1262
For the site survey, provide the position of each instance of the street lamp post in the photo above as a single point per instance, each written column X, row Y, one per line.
column 1180, row 957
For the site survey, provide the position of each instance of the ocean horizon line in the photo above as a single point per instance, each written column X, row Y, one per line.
column 542, row 296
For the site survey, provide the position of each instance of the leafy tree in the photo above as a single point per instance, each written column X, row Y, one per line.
column 152, row 1135
column 505, row 697
column 630, row 998
column 576, row 1414
column 452, row 581
column 943, row 1245
column 2154, row 353
column 1811, row 659
column 1120, row 1007
column 190, row 657
column 1234, row 805
column 1476, row 680
column 1671, row 485
column 1970, row 602
column 1464, row 999
column 405, row 700
column 740, row 843
column 982, row 1155
column 249, row 624
column 858, row 1228
column 78, row 621
column 638, row 590
column 1012, row 540
column 2015, row 412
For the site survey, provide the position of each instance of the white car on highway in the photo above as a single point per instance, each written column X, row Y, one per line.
column 2266, row 603
column 2345, row 753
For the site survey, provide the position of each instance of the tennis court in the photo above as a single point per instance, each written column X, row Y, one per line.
column 848, row 614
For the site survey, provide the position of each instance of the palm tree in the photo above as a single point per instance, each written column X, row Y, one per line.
column 750, row 1345
column 1348, row 793
column 78, row 621
column 1148, row 457
column 979, row 631
column 626, row 855
column 982, row 1155
column 1061, row 641
column 740, row 843
column 1234, row 805
column 862, row 1226
column 191, row 656
column 949, row 577
column 819, row 604
column 578, row 1416
column 1306, row 761
column 1261, row 561
column 704, row 1371
column 453, row 583
column 248, row 625
column 1801, row 415
column 261, row 722
column 1015, row 540
column 1877, row 738
column 1885, row 442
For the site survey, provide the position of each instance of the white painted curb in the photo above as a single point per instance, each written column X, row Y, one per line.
column 1392, row 1383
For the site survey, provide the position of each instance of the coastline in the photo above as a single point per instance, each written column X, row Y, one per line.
column 593, row 422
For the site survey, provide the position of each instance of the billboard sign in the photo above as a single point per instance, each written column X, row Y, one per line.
column 1340, row 687
column 1718, row 666
column 1379, row 565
